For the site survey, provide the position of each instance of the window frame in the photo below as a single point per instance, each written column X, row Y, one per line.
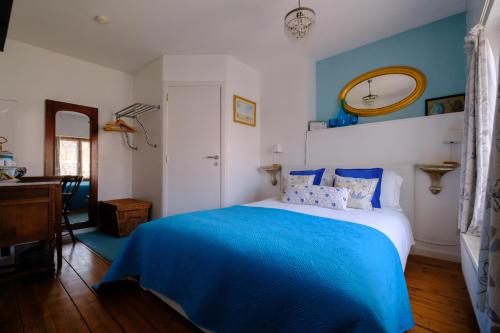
column 79, row 141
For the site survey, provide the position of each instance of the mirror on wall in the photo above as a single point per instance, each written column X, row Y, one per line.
column 72, row 158
column 383, row 91
column 71, row 135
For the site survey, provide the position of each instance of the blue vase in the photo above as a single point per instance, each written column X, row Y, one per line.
column 343, row 118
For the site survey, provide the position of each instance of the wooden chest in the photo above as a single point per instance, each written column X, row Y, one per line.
column 120, row 217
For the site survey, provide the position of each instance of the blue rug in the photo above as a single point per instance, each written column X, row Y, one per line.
column 105, row 245
column 78, row 217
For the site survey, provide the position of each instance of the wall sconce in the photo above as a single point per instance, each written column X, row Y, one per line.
column 273, row 171
column 437, row 171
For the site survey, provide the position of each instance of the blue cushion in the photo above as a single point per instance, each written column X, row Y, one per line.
column 317, row 173
column 367, row 174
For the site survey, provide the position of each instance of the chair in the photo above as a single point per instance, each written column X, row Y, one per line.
column 69, row 185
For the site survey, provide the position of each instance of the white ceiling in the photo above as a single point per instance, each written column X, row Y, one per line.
column 252, row 30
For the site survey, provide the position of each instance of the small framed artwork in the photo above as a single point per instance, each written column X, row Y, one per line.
column 317, row 125
column 244, row 111
column 446, row 104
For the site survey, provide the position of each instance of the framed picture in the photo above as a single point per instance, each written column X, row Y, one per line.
column 446, row 104
column 244, row 111
column 317, row 125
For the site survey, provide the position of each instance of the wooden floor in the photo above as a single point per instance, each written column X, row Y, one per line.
column 67, row 303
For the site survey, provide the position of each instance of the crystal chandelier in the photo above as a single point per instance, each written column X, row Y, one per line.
column 299, row 22
column 370, row 98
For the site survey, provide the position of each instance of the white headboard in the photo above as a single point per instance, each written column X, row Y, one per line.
column 405, row 171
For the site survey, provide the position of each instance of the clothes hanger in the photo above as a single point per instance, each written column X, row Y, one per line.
column 119, row 125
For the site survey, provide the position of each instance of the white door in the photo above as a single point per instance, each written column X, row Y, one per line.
column 194, row 148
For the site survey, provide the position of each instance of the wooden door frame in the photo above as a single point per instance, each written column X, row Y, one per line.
column 51, row 109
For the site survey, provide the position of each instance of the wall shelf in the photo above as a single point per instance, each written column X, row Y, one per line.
column 273, row 171
column 436, row 172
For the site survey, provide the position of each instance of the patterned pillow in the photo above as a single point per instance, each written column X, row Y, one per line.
column 322, row 196
column 361, row 191
column 297, row 180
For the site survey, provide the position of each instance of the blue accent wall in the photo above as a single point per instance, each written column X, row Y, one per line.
column 436, row 49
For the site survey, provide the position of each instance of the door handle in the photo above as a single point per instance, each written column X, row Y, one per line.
column 212, row 157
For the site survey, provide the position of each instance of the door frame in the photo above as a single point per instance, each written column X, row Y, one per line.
column 51, row 109
column 222, row 118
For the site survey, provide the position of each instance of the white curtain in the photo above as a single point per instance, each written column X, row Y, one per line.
column 478, row 125
column 480, row 178
column 489, row 255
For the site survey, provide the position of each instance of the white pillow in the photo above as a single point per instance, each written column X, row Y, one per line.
column 361, row 191
column 391, row 190
column 317, row 195
column 298, row 180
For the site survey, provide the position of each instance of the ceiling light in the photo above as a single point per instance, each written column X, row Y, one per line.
column 101, row 19
column 299, row 22
column 370, row 98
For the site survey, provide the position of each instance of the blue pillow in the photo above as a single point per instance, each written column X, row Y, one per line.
column 367, row 174
column 317, row 173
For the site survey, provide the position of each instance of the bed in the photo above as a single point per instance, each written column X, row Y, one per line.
column 270, row 266
column 394, row 224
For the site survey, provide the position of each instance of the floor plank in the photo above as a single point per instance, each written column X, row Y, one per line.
column 438, row 296
column 67, row 303
column 10, row 318
column 46, row 307
column 98, row 318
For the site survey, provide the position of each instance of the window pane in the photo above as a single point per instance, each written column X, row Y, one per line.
column 86, row 159
column 68, row 157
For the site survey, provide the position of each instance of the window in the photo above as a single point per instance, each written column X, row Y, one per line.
column 73, row 157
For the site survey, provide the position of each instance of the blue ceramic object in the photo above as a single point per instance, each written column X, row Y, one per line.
column 437, row 108
column 343, row 118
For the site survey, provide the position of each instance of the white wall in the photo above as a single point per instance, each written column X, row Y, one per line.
column 288, row 103
column 31, row 75
column 242, row 143
column 474, row 10
column 195, row 68
column 493, row 31
column 404, row 142
column 147, row 162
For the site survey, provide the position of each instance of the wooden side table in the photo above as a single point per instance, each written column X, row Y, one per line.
column 31, row 212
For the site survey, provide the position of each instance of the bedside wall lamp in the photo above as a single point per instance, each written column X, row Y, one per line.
column 277, row 150
column 453, row 137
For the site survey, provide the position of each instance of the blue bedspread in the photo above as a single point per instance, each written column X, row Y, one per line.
column 249, row 269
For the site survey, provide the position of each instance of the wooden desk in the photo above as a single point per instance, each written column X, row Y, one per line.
column 31, row 211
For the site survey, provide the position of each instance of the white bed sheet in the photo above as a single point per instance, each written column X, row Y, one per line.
column 392, row 223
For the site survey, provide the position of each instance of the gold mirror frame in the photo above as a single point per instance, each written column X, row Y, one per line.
column 417, row 75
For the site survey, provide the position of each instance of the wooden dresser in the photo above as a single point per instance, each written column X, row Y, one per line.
column 29, row 212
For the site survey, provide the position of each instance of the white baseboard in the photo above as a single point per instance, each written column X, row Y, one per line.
column 449, row 254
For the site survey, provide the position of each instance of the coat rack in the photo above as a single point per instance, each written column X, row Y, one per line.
column 133, row 112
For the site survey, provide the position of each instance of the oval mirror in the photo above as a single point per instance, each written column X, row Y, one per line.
column 383, row 91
